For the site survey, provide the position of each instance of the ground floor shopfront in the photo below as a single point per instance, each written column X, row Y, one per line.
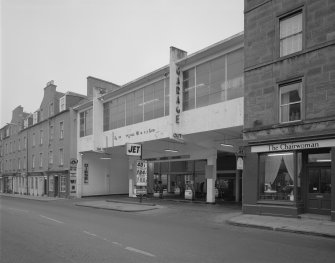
column 201, row 179
column 52, row 184
column 7, row 183
column 290, row 178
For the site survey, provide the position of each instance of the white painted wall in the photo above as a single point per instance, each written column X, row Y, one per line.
column 140, row 132
column 213, row 117
column 105, row 176
column 85, row 143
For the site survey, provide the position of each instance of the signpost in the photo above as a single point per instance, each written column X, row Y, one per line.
column 73, row 176
column 141, row 178
column 133, row 149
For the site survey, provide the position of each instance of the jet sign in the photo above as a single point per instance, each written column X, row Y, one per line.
column 134, row 149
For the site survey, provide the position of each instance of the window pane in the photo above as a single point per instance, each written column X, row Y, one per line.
column 290, row 102
column 167, row 96
column 106, row 116
column 82, row 124
column 291, row 34
column 277, row 176
column 188, row 89
column 314, row 177
column 319, row 158
column 89, row 122
column 235, row 79
column 291, row 44
column 113, row 115
column 291, row 112
column 129, row 108
column 159, row 99
column 138, row 106
column 121, row 112
column 217, row 80
column 202, row 85
column 325, row 181
column 148, row 103
column 290, row 25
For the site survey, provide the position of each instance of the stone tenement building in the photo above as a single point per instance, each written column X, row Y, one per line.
column 289, row 120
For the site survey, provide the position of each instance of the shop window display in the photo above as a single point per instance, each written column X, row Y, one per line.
column 278, row 180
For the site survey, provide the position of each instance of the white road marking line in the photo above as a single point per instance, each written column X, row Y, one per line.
column 140, row 251
column 88, row 233
column 117, row 243
column 60, row 222
column 20, row 210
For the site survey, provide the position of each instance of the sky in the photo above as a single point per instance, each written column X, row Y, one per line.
column 114, row 40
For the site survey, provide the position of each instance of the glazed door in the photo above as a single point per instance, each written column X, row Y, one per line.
column 319, row 190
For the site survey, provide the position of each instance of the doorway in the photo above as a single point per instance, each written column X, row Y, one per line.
column 319, row 189
column 56, row 185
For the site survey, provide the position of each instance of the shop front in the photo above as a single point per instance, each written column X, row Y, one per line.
column 58, row 184
column 290, row 178
column 8, row 184
column 187, row 179
column 178, row 179
column 1, row 184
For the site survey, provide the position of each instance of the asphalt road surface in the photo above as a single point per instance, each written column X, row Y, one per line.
column 59, row 231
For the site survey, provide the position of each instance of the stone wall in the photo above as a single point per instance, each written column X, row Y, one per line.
column 264, row 69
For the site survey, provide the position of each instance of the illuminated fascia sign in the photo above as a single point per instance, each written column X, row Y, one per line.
column 293, row 146
column 178, row 96
column 134, row 149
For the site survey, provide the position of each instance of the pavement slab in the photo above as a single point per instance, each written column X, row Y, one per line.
column 309, row 226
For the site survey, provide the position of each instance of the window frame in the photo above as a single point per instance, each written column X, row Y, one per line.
column 51, row 158
column 193, row 88
column 61, row 130
column 41, row 137
column 62, row 183
column 62, row 103
column 287, row 83
column 41, row 160
column 297, row 197
column 51, row 133
column 84, row 130
column 61, row 156
column 282, row 16
column 34, row 140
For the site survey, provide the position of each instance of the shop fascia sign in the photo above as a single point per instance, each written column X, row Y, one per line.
column 134, row 149
column 293, row 146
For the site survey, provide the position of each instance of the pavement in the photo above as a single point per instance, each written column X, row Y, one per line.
column 33, row 197
column 308, row 224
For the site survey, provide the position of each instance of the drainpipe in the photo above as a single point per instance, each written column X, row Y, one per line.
column 27, row 163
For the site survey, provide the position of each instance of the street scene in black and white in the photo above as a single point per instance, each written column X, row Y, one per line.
column 167, row 131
